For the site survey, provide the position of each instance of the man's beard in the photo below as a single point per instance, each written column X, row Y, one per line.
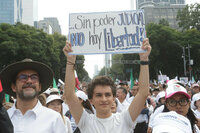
column 27, row 97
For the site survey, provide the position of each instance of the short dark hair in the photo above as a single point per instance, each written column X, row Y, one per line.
column 101, row 80
column 123, row 89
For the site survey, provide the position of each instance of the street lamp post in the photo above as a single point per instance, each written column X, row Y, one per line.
column 189, row 60
column 184, row 61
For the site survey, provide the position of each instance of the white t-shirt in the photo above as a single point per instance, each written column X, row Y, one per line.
column 37, row 120
column 156, row 112
column 116, row 123
column 68, row 125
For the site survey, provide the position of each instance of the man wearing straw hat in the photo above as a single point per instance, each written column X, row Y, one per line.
column 25, row 80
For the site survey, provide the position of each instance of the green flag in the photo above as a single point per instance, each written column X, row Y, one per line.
column 7, row 98
column 54, row 83
column 131, row 78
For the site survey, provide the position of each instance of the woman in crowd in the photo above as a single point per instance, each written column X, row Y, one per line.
column 55, row 102
column 178, row 100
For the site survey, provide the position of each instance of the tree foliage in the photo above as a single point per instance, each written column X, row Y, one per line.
column 189, row 17
column 20, row 41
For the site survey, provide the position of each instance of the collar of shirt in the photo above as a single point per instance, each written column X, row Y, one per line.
column 35, row 111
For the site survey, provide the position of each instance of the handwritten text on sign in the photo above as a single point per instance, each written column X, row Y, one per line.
column 107, row 32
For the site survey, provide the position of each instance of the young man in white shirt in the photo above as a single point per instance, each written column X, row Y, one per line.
column 25, row 80
column 101, row 94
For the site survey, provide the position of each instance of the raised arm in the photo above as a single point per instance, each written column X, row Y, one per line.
column 138, row 103
column 72, row 100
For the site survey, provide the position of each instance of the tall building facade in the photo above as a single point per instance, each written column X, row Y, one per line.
column 49, row 25
column 10, row 11
column 24, row 11
column 156, row 10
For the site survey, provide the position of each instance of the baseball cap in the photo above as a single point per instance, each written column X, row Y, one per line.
column 171, row 122
column 160, row 95
column 174, row 81
column 195, row 85
column 81, row 95
column 52, row 98
column 174, row 89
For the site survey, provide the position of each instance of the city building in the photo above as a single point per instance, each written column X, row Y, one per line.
column 96, row 70
column 49, row 25
column 10, row 11
column 156, row 10
column 24, row 11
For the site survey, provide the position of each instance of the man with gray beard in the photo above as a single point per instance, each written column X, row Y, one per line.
column 25, row 80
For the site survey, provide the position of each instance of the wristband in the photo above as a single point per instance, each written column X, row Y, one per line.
column 144, row 62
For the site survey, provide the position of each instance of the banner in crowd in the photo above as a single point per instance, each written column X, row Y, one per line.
column 107, row 32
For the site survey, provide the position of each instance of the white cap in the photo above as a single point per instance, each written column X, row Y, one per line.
column 171, row 122
column 195, row 85
column 54, row 90
column 174, row 89
column 195, row 98
column 160, row 95
column 47, row 91
column 52, row 98
column 81, row 95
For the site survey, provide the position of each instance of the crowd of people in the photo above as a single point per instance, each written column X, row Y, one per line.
column 101, row 106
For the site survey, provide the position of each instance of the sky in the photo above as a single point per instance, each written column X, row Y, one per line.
column 62, row 8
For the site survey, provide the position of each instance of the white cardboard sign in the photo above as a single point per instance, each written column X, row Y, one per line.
column 107, row 32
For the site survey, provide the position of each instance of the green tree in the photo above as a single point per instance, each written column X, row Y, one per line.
column 21, row 41
column 189, row 17
column 166, row 51
column 164, row 22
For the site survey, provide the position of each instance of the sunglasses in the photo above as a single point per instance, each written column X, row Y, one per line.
column 24, row 77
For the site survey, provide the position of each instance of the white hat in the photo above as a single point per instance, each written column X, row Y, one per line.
column 195, row 85
column 52, row 98
column 160, row 95
column 174, row 81
column 174, row 89
column 47, row 91
column 54, row 90
column 171, row 122
column 195, row 98
column 81, row 95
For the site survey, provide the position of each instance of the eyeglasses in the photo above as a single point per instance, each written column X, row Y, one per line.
column 24, row 77
column 182, row 102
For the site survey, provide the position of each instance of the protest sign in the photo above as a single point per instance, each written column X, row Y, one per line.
column 107, row 32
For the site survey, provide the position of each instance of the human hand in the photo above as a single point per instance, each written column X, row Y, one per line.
column 145, row 46
column 67, row 49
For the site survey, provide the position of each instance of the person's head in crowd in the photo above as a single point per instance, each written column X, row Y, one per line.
column 54, row 91
column 42, row 99
column 121, row 94
column 84, row 87
column 84, row 101
column 125, row 85
column 178, row 100
column 196, row 101
column 26, row 79
column 100, row 87
column 195, row 88
column 160, row 98
column 134, row 90
column 155, row 91
column 114, row 106
column 54, row 102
